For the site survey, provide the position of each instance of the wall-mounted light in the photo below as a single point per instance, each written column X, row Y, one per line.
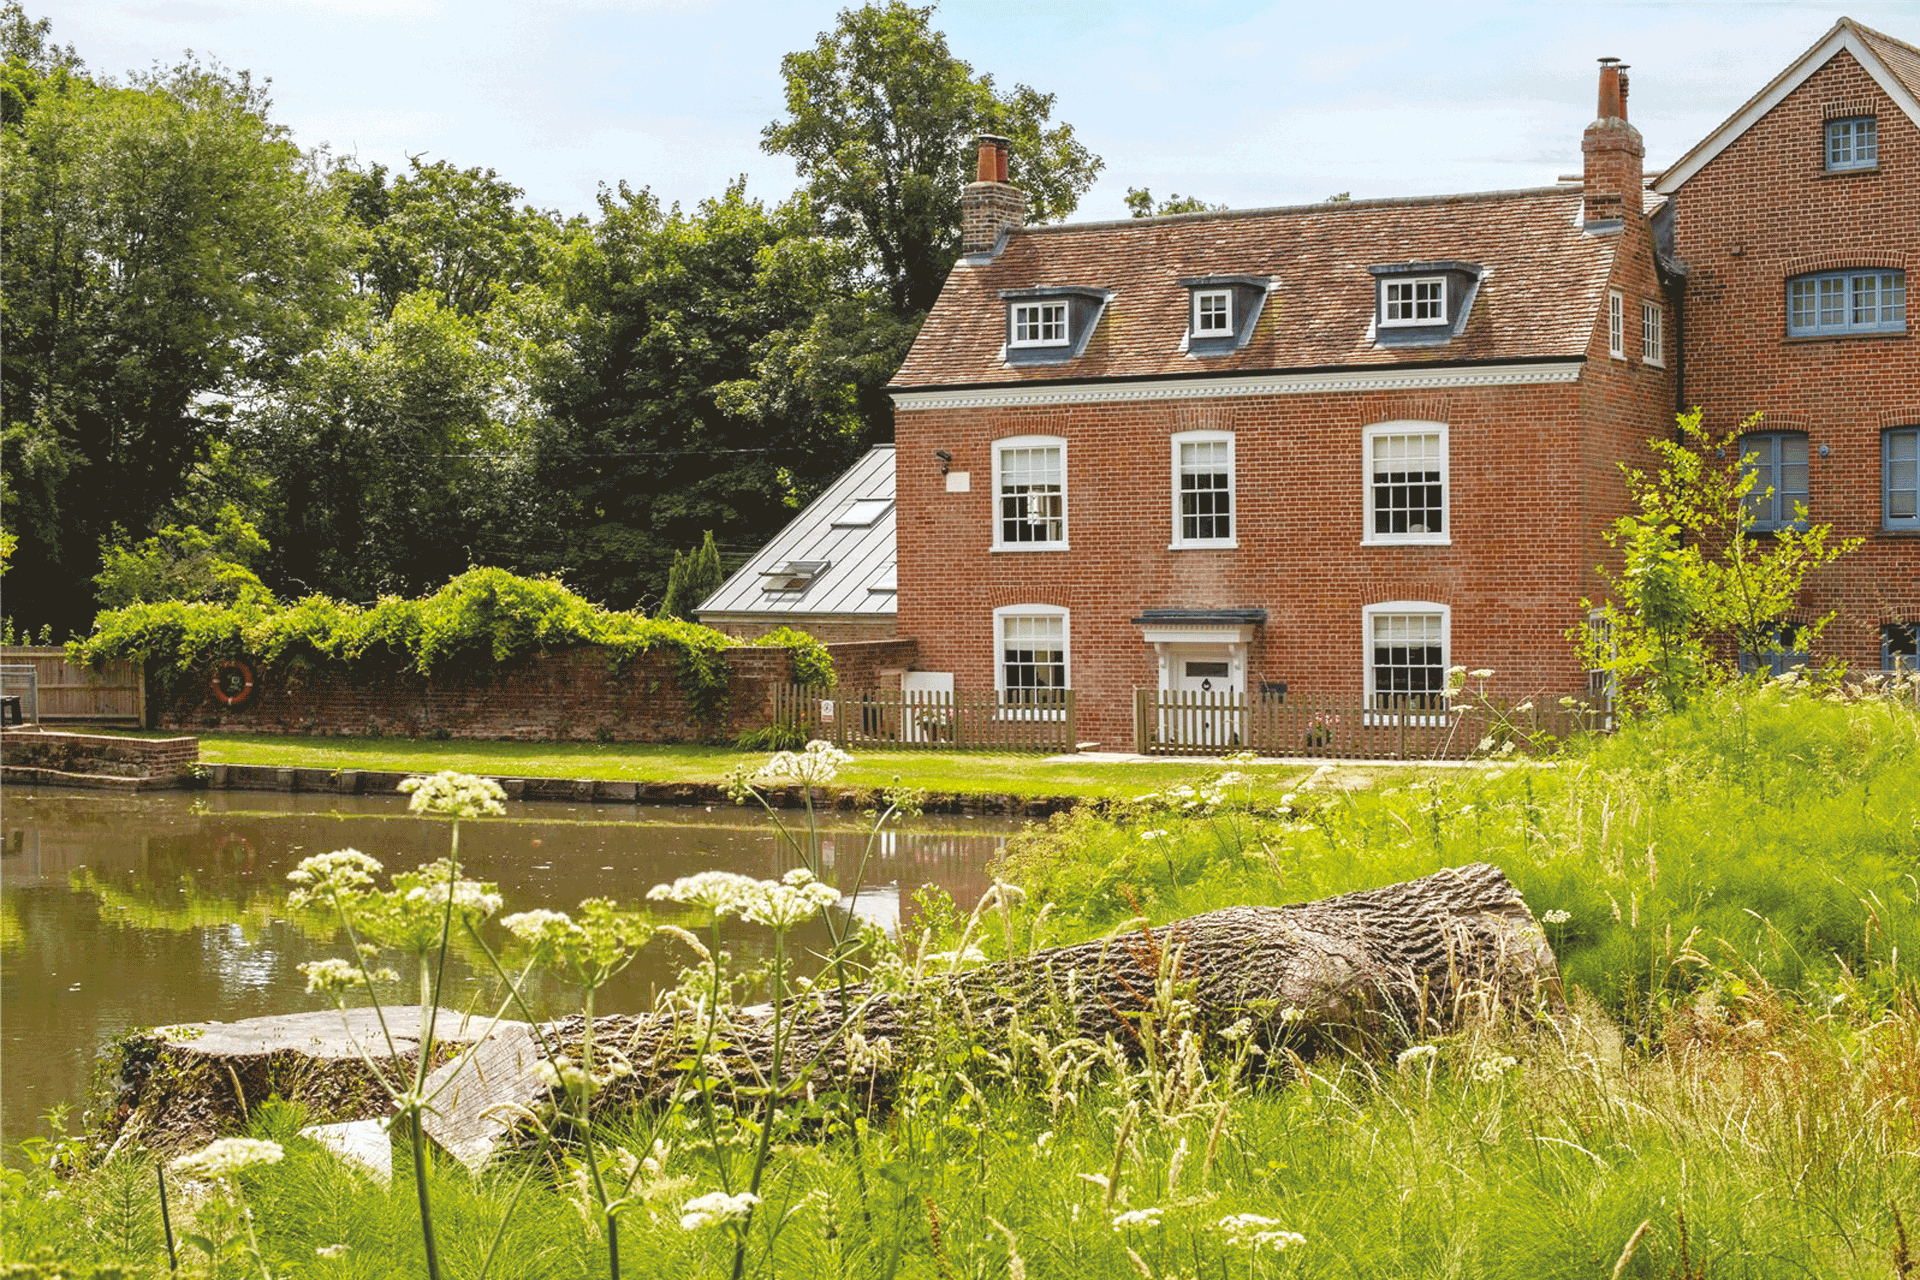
column 946, row 460
column 1825, row 450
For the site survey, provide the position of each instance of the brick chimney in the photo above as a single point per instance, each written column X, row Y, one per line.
column 989, row 205
column 1614, row 154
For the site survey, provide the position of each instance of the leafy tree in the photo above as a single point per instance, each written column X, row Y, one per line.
column 1696, row 587
column 881, row 122
column 695, row 576
column 715, row 369
column 1140, row 204
column 184, row 564
column 452, row 232
column 164, row 250
column 388, row 461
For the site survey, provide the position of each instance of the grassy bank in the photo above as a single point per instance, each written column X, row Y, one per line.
column 948, row 771
column 1733, row 1092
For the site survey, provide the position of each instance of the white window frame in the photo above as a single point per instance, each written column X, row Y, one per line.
column 1001, row 616
column 1616, row 324
column 1653, row 334
column 1000, row 448
column 1368, row 537
column 1040, row 323
column 1202, row 296
column 1413, row 302
column 1412, row 608
column 1180, row 541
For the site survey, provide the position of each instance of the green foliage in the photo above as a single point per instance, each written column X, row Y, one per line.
column 812, row 664
column 1140, row 204
column 483, row 619
column 695, row 576
column 184, row 564
column 164, row 246
column 1696, row 586
column 881, row 122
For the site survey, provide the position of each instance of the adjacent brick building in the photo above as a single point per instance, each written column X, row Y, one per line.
column 1798, row 220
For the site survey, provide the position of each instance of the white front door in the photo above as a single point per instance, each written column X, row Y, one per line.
column 1211, row 683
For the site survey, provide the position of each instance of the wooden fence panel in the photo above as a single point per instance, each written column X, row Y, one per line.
column 1213, row 724
column 927, row 721
column 114, row 694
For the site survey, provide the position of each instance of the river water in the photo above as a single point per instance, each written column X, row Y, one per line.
column 119, row 912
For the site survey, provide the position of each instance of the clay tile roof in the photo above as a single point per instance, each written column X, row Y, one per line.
column 1538, row 299
column 1901, row 58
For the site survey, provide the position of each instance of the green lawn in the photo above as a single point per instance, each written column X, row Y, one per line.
column 969, row 772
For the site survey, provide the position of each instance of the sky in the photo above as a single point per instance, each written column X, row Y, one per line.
column 1244, row 104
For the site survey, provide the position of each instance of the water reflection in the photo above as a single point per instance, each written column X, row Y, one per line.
column 117, row 912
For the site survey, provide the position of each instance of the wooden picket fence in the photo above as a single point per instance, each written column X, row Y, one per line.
column 1213, row 724
column 64, row 693
column 925, row 721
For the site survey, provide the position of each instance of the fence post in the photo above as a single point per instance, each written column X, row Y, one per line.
column 1073, row 732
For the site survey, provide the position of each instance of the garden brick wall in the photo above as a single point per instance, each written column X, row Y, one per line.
column 98, row 753
column 567, row 695
column 1764, row 210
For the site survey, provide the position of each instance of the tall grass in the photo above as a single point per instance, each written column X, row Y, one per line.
column 1734, row 1090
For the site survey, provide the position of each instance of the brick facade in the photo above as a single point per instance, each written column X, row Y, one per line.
column 1760, row 211
column 1544, row 388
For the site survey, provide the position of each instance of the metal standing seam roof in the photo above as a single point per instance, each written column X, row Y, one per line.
column 1540, row 297
column 857, row 557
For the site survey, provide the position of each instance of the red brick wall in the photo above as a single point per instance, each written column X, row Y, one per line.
column 1532, row 478
column 1761, row 211
column 81, row 752
column 861, row 664
column 568, row 695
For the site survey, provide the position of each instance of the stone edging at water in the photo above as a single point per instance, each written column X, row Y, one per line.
column 256, row 777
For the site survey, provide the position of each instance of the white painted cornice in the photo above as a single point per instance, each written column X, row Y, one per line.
column 1030, row 395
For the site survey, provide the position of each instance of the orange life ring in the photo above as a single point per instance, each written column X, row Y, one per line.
column 233, row 682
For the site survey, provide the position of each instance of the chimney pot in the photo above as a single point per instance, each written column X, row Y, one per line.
column 990, row 205
column 1612, row 178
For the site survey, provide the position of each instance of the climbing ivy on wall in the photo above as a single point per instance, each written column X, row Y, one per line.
column 482, row 620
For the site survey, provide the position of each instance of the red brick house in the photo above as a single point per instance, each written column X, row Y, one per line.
column 1798, row 220
column 1327, row 452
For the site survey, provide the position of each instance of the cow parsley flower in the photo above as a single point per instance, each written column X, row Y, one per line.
column 1556, row 916
column 1137, row 1218
column 457, row 795
column 818, row 765
column 1416, row 1053
column 716, row 892
column 325, row 875
column 787, row 902
column 1256, row 1232
column 716, row 1207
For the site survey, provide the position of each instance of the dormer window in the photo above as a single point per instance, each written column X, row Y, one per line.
column 1212, row 313
column 1039, row 324
column 1422, row 300
column 1050, row 324
column 1221, row 312
column 1420, row 304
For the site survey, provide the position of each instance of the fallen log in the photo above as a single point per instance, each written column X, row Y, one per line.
column 1365, row 972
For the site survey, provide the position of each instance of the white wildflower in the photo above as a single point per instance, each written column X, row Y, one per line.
column 329, row 977
column 1487, row 1070
column 1556, row 916
column 1155, row 834
column 1137, row 1218
column 1254, row 1231
column 1416, row 1053
column 713, row 891
column 470, row 897
column 457, row 795
column 331, row 1250
column 1292, row 1014
column 716, row 1207
column 786, row 903
column 1481, row 673
column 1238, row 1031
column 225, row 1157
column 540, row 926
column 324, row 875
column 560, row 1073
column 819, row 764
